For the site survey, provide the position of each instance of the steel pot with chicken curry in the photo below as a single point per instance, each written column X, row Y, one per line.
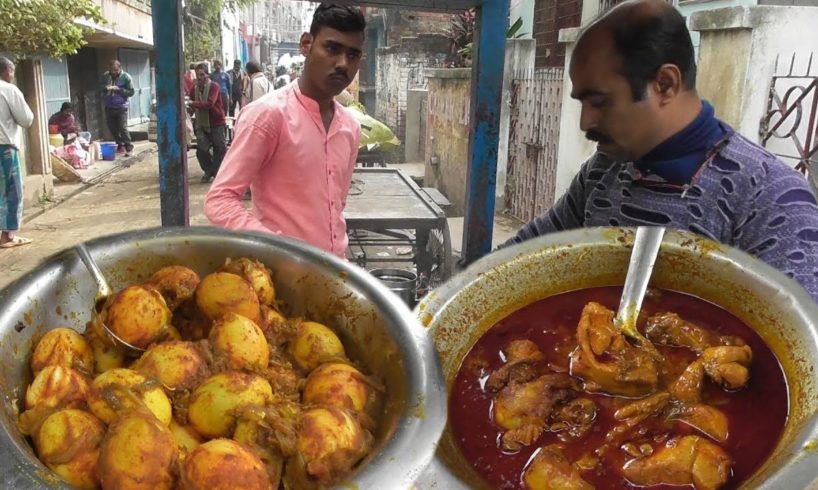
column 545, row 392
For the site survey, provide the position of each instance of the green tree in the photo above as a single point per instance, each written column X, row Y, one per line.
column 202, row 27
column 45, row 26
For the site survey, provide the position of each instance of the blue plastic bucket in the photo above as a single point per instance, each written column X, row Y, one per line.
column 108, row 151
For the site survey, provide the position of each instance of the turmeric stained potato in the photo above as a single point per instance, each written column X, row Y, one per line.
column 177, row 365
column 57, row 387
column 241, row 341
column 63, row 347
column 222, row 292
column 68, row 443
column 214, row 403
column 138, row 315
column 315, row 344
column 122, row 390
column 137, row 453
column 224, row 464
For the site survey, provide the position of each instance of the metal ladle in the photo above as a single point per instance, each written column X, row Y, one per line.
column 643, row 257
column 104, row 292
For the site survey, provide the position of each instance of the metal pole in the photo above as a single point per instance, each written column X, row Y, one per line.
column 170, row 129
column 487, row 90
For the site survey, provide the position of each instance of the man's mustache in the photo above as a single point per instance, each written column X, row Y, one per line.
column 598, row 137
column 341, row 74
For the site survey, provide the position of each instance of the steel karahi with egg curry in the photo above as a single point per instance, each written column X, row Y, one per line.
column 229, row 393
column 282, row 367
column 546, row 392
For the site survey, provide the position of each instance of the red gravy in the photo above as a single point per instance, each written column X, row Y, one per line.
column 756, row 414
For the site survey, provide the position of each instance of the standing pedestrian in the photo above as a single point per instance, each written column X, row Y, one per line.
column 238, row 84
column 223, row 79
column 188, row 80
column 117, row 88
column 259, row 84
column 14, row 112
column 206, row 101
column 296, row 148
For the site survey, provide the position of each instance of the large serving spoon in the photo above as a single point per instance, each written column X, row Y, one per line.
column 104, row 292
column 643, row 257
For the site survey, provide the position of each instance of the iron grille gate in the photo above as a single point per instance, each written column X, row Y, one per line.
column 788, row 128
column 536, row 105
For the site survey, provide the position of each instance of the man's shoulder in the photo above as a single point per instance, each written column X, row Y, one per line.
column 751, row 159
column 9, row 88
column 347, row 117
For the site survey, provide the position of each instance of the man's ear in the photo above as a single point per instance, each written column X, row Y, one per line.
column 668, row 83
column 305, row 44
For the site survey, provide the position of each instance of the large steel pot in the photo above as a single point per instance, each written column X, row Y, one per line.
column 459, row 312
column 376, row 327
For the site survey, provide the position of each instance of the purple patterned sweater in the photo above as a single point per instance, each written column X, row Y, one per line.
column 742, row 196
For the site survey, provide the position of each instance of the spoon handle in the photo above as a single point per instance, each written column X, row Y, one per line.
column 103, row 289
column 643, row 258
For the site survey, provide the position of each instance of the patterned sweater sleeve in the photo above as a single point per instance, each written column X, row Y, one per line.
column 566, row 214
column 780, row 224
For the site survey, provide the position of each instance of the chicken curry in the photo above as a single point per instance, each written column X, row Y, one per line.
column 554, row 396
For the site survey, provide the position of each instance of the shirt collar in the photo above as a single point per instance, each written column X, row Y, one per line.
column 311, row 105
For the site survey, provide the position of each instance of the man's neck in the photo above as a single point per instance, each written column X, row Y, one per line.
column 324, row 104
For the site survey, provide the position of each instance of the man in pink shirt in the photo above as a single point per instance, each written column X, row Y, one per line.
column 295, row 148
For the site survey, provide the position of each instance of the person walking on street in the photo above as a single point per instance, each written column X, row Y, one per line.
column 14, row 112
column 297, row 147
column 238, row 85
column 188, row 80
column 223, row 79
column 117, row 88
column 206, row 101
column 259, row 84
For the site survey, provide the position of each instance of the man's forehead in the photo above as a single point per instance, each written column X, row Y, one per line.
column 349, row 40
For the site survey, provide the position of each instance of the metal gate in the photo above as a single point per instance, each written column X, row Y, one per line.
column 55, row 80
column 789, row 128
column 137, row 64
column 536, row 106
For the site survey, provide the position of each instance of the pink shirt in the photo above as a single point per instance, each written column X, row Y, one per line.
column 299, row 173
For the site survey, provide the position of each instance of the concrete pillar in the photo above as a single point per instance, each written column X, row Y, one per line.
column 574, row 148
column 738, row 50
column 415, row 139
column 520, row 55
column 35, row 157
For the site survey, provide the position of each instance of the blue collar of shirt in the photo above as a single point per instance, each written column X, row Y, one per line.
column 678, row 158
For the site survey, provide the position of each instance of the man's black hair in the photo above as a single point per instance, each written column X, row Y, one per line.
column 66, row 106
column 253, row 67
column 646, row 42
column 203, row 67
column 236, row 62
column 339, row 17
column 192, row 66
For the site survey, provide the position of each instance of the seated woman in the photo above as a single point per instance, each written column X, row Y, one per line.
column 64, row 120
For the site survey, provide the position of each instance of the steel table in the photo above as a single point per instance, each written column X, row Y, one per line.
column 386, row 208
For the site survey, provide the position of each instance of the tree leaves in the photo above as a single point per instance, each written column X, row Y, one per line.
column 31, row 27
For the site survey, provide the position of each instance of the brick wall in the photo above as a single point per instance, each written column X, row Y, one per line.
column 549, row 17
column 401, row 68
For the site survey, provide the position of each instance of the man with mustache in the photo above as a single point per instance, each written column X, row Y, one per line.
column 296, row 147
column 663, row 157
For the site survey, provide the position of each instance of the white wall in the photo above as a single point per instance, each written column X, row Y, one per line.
column 773, row 31
column 688, row 8
column 574, row 147
column 230, row 27
column 523, row 9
